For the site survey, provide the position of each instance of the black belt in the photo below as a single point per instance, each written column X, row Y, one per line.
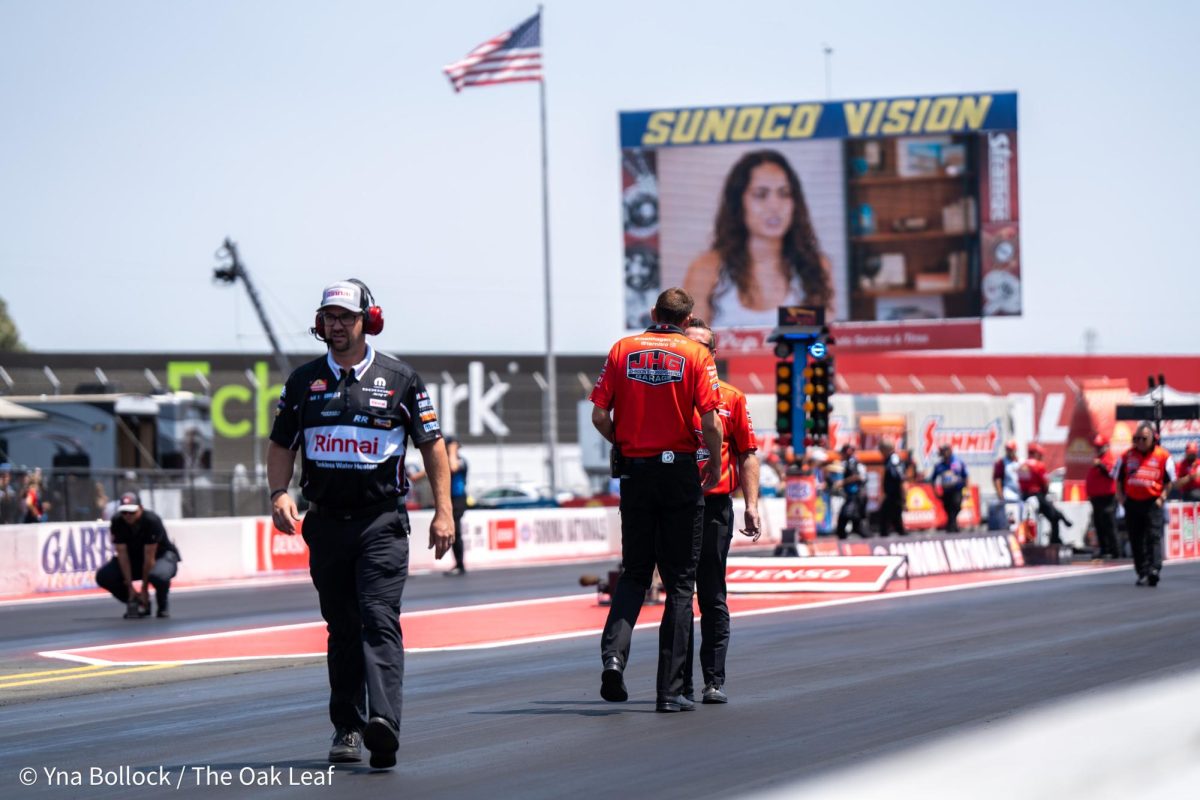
column 665, row 457
column 354, row 512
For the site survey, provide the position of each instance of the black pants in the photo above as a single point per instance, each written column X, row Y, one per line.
column 1106, row 525
column 952, row 502
column 1144, row 520
column 109, row 577
column 853, row 513
column 662, row 511
column 710, row 592
column 1048, row 510
column 891, row 516
column 359, row 567
column 459, row 506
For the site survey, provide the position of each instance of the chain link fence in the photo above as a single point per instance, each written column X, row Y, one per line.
column 69, row 495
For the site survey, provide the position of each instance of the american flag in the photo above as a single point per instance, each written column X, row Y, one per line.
column 511, row 57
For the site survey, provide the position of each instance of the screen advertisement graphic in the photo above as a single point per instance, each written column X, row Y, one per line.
column 886, row 212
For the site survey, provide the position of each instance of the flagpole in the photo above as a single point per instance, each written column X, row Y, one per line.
column 551, row 422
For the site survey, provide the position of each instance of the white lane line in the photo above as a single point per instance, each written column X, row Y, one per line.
column 75, row 654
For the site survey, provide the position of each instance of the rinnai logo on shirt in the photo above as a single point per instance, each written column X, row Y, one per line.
column 348, row 443
column 654, row 367
column 978, row 445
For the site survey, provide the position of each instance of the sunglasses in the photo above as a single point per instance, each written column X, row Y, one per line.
column 346, row 319
column 1141, row 438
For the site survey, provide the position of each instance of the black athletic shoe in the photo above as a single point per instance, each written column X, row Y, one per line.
column 383, row 740
column 669, row 705
column 713, row 695
column 612, row 681
column 135, row 610
column 347, row 747
column 450, row 573
column 163, row 613
column 1142, row 580
column 1152, row 579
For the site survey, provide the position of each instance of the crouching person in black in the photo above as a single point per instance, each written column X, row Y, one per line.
column 145, row 553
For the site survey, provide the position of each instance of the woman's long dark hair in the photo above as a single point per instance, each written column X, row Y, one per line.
column 800, row 250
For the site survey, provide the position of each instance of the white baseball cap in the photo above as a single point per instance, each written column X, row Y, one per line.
column 342, row 294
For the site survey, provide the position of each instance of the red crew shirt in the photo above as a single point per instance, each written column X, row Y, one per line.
column 738, row 438
column 1031, row 476
column 1099, row 481
column 654, row 383
column 1143, row 474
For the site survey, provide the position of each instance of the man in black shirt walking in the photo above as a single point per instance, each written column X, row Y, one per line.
column 145, row 553
column 351, row 413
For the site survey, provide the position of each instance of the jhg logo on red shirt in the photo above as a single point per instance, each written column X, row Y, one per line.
column 352, row 443
column 972, row 445
column 502, row 534
column 654, row 367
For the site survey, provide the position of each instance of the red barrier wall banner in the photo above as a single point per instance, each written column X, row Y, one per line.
column 280, row 551
column 923, row 509
column 801, row 493
column 811, row 574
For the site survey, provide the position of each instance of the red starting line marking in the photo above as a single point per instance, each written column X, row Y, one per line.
column 504, row 624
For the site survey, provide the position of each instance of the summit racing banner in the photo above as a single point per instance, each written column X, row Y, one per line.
column 892, row 213
column 811, row 574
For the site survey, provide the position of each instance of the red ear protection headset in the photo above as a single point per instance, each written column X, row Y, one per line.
column 372, row 314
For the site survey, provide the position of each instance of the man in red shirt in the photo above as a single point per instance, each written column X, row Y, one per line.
column 646, row 398
column 1034, row 482
column 739, row 466
column 1101, row 490
column 1188, row 470
column 1144, row 475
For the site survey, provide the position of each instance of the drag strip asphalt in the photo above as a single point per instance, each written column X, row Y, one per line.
column 811, row 691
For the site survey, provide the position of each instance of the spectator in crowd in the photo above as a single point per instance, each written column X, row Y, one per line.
column 1144, row 475
column 35, row 505
column 145, row 553
column 891, row 510
column 1004, row 474
column 1034, row 482
column 458, row 500
column 949, row 479
column 10, row 503
column 1187, row 472
column 853, row 488
column 1101, row 490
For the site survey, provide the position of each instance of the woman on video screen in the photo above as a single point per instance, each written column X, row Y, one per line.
column 764, row 252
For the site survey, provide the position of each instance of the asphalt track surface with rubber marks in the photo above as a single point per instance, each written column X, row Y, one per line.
column 813, row 689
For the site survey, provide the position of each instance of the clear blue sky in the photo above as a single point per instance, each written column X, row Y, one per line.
column 324, row 139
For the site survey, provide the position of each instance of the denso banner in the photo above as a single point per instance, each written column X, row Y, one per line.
column 941, row 555
column 279, row 551
column 70, row 554
column 811, row 574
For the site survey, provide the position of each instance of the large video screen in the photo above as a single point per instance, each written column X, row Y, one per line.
column 884, row 210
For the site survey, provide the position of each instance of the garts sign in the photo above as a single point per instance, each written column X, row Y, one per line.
column 811, row 574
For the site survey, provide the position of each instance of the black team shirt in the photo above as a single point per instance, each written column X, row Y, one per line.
column 352, row 427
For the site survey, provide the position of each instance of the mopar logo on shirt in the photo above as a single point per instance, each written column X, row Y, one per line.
column 654, row 367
